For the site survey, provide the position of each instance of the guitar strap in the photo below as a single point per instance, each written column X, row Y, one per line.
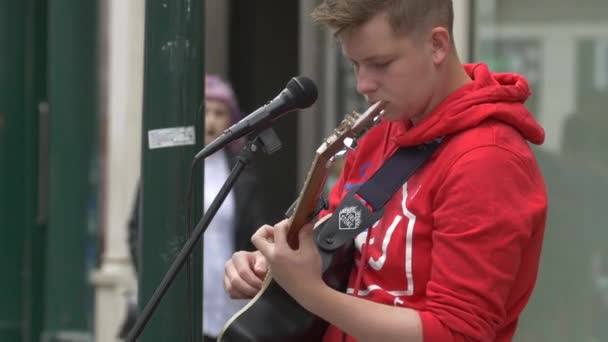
column 364, row 205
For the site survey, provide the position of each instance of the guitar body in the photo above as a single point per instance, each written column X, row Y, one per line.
column 273, row 316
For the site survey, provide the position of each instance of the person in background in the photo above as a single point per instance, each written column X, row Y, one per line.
column 238, row 217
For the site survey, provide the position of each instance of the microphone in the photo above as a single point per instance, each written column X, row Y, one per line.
column 300, row 93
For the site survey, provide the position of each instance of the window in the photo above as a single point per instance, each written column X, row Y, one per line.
column 561, row 47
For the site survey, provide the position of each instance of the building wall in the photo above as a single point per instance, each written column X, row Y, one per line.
column 216, row 36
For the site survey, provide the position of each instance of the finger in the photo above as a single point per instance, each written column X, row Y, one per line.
column 306, row 231
column 238, row 289
column 227, row 286
column 236, row 286
column 305, row 235
column 260, row 266
column 228, row 275
column 283, row 222
column 266, row 231
column 243, row 262
column 262, row 240
column 280, row 232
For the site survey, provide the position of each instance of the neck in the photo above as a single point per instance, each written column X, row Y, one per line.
column 453, row 77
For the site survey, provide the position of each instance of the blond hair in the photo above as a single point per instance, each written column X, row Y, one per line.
column 405, row 16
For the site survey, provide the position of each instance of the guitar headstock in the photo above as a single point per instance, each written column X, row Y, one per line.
column 352, row 127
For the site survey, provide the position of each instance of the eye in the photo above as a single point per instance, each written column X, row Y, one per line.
column 381, row 65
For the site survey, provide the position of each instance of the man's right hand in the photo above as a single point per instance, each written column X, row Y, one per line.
column 244, row 274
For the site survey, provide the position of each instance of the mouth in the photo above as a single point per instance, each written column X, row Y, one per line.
column 210, row 135
column 371, row 99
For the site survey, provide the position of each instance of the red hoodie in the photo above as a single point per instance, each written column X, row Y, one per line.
column 460, row 243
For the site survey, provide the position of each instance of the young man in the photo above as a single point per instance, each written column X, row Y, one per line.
column 455, row 256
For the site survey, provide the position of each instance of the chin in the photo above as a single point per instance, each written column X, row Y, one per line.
column 392, row 116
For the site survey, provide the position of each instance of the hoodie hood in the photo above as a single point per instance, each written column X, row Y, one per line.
column 499, row 96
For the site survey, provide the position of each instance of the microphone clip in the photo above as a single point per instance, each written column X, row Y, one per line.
column 267, row 141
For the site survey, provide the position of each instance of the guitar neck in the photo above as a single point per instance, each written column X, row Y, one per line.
column 307, row 201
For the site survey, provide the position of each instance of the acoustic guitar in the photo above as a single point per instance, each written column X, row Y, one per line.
column 272, row 315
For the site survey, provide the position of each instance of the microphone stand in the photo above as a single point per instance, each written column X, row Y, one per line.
column 268, row 142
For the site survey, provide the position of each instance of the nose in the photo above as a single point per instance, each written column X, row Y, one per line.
column 208, row 118
column 366, row 84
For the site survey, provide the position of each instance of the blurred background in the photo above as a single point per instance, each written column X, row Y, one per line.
column 102, row 101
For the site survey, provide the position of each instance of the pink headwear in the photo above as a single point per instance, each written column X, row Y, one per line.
column 218, row 89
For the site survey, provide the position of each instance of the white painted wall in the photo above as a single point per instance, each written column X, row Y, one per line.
column 123, row 89
column 462, row 28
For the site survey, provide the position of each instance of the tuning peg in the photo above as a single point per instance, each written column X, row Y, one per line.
column 350, row 143
column 340, row 155
column 378, row 117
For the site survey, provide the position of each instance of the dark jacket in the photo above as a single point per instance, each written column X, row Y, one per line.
column 249, row 212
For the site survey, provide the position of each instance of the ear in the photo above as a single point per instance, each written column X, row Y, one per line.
column 440, row 44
